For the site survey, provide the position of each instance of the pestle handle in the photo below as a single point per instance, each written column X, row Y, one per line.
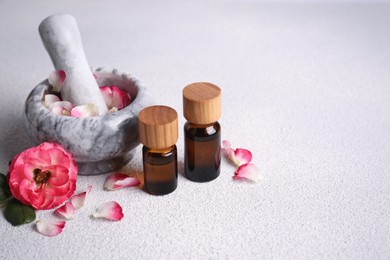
column 61, row 38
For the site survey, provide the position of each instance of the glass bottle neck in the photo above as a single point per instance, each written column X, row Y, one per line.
column 160, row 150
column 202, row 125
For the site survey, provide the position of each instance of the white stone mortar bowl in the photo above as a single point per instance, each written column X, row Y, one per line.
column 99, row 144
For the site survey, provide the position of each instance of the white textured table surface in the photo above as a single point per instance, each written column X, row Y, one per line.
column 306, row 87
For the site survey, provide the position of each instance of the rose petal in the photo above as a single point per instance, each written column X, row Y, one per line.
column 110, row 210
column 115, row 97
column 38, row 154
column 60, row 111
column 50, row 228
column 26, row 193
column 57, row 156
column 120, row 180
column 50, row 99
column 239, row 156
column 249, row 172
column 66, row 211
column 107, row 95
column 64, row 104
column 226, row 144
column 242, row 156
column 87, row 110
column 79, row 199
column 59, row 176
column 227, row 150
column 56, row 79
column 121, row 98
column 114, row 109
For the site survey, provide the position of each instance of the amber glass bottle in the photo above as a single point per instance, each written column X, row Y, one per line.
column 158, row 131
column 202, row 109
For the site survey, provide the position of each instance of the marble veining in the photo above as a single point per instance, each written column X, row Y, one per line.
column 61, row 37
column 99, row 144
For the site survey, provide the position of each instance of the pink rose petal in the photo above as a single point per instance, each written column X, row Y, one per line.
column 56, row 79
column 87, row 110
column 227, row 150
column 239, row 156
column 115, row 97
column 50, row 99
column 249, row 172
column 50, row 228
column 60, row 111
column 79, row 199
column 107, row 95
column 242, row 156
column 64, row 104
column 66, row 211
column 226, row 144
column 120, row 180
column 109, row 210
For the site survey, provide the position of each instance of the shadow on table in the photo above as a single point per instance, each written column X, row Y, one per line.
column 13, row 138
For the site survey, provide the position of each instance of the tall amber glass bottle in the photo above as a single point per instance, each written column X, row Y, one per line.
column 202, row 109
column 158, row 131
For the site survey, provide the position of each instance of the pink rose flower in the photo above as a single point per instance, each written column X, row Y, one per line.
column 43, row 176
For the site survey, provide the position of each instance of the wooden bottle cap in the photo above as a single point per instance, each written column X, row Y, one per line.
column 202, row 103
column 158, row 127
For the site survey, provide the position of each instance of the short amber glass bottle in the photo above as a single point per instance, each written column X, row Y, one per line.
column 202, row 151
column 158, row 131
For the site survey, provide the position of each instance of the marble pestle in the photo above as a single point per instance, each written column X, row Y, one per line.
column 61, row 38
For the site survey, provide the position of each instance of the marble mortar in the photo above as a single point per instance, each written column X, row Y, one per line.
column 98, row 144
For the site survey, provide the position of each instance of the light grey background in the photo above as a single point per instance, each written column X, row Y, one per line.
column 305, row 88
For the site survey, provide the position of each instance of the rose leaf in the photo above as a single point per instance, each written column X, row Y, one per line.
column 4, row 188
column 17, row 213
